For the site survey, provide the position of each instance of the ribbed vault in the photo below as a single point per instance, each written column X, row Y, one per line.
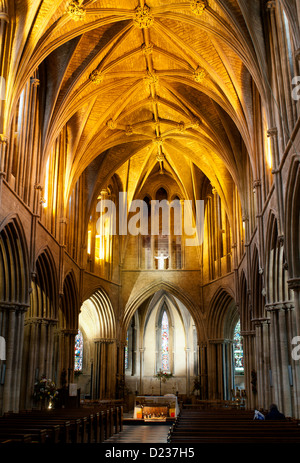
column 168, row 84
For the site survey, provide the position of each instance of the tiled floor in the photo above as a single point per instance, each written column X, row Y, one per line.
column 141, row 434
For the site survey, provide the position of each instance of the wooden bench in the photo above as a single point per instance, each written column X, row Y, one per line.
column 197, row 426
column 80, row 425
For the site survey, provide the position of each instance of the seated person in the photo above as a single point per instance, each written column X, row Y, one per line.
column 274, row 413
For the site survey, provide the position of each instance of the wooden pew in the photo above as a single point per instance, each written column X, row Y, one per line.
column 230, row 427
column 14, row 438
column 80, row 425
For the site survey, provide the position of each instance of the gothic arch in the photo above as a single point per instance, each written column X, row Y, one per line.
column 245, row 313
column 222, row 314
column 44, row 295
column 14, row 262
column 69, row 304
column 258, row 305
column 97, row 313
column 276, row 275
column 292, row 221
column 136, row 300
column 14, row 301
column 98, row 325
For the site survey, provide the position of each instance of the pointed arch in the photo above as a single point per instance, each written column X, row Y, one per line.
column 292, row 219
column 276, row 274
column 258, row 303
column 97, row 316
column 141, row 296
column 70, row 304
column 223, row 314
column 14, row 262
column 44, row 295
column 244, row 304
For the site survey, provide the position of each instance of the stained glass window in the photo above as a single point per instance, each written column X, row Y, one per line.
column 238, row 350
column 165, row 360
column 126, row 353
column 78, row 351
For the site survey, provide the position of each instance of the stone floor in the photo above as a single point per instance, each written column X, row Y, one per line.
column 141, row 434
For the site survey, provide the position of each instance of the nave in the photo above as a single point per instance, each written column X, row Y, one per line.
column 149, row 208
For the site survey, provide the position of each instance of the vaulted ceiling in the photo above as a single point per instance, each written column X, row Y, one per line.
column 167, row 85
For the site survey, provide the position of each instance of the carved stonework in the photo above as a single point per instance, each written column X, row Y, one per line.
column 199, row 75
column 195, row 122
column 181, row 127
column 111, row 124
column 129, row 130
column 158, row 141
column 198, row 7
column 160, row 157
column 75, row 10
column 151, row 78
column 143, row 17
column 96, row 77
column 147, row 49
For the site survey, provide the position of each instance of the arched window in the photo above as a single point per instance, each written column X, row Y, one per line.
column 238, row 350
column 165, row 336
column 78, row 351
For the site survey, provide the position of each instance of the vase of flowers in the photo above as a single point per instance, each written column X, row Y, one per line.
column 45, row 392
column 162, row 376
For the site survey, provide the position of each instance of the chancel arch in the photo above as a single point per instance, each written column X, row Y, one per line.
column 165, row 341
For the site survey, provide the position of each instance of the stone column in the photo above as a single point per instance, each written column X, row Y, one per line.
column 66, row 349
column 249, row 366
column 13, row 321
column 294, row 285
column 141, row 388
column 203, row 370
column 273, row 135
column 188, row 373
column 3, row 151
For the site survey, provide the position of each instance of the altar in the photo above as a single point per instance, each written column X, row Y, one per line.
column 155, row 408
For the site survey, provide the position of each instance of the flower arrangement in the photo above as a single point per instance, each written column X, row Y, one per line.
column 45, row 390
column 163, row 376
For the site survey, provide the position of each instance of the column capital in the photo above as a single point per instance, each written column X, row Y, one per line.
column 271, row 5
column 256, row 184
column 34, row 82
column 273, row 132
column 4, row 16
column 294, row 284
column 3, row 139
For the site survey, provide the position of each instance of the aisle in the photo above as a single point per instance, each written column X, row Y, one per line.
column 141, row 434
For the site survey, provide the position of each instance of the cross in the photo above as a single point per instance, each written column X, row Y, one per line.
column 161, row 261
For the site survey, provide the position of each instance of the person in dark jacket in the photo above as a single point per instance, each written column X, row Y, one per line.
column 274, row 413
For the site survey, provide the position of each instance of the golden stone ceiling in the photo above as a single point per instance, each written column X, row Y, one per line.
column 167, row 84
